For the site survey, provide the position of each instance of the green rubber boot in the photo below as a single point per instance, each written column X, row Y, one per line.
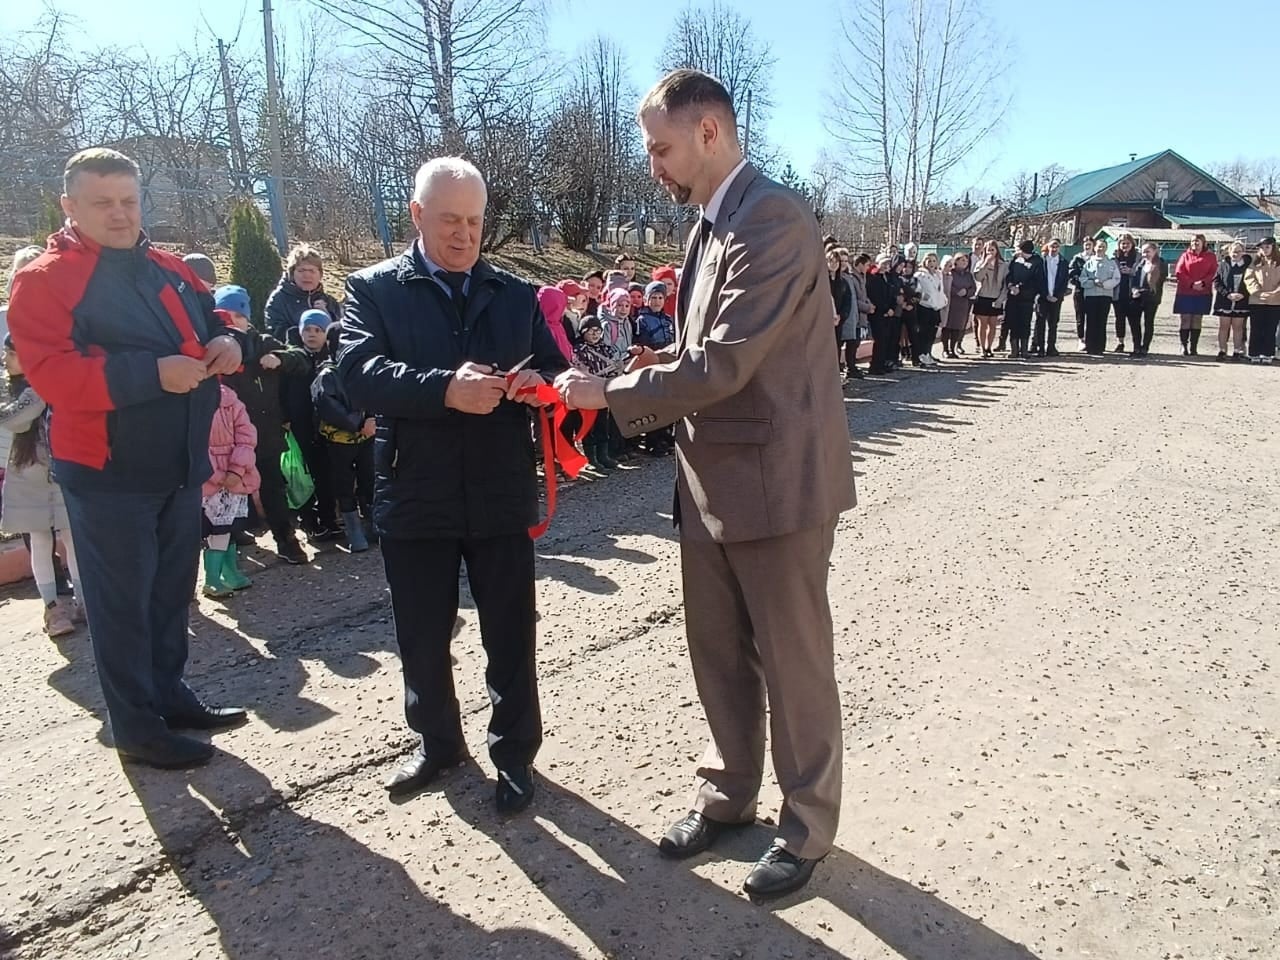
column 231, row 575
column 213, row 584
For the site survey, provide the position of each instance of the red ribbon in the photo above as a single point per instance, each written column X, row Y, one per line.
column 556, row 448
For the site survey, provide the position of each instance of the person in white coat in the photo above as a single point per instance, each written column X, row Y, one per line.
column 931, row 283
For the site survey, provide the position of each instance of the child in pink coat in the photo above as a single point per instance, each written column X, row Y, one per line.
column 232, row 440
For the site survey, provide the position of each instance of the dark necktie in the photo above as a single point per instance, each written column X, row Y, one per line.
column 456, row 282
column 688, row 277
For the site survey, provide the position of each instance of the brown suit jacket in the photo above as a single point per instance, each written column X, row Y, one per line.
column 762, row 443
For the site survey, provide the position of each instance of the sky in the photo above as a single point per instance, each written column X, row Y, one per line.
column 1077, row 76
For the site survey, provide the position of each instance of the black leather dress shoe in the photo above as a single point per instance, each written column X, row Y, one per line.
column 206, row 718
column 168, row 752
column 515, row 790
column 417, row 772
column 690, row 836
column 778, row 873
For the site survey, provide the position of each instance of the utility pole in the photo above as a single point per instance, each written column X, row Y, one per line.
column 746, row 133
column 275, row 189
column 238, row 155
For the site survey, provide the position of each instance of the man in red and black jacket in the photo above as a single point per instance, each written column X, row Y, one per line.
column 123, row 342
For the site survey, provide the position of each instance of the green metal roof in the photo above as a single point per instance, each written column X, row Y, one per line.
column 1080, row 188
column 1207, row 216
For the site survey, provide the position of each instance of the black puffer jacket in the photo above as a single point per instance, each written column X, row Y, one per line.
column 441, row 473
column 286, row 304
column 259, row 390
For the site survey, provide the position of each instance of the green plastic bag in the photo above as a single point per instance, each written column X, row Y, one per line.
column 298, row 484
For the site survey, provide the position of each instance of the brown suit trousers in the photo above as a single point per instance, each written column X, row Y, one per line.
column 759, row 624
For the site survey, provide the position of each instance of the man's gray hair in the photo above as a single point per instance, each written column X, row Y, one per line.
column 444, row 168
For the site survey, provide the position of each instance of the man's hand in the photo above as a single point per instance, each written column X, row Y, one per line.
column 269, row 362
column 222, row 356
column 525, row 380
column 179, row 374
column 474, row 389
column 581, row 391
column 369, row 427
column 641, row 357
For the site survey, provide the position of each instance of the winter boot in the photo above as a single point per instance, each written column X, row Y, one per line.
column 356, row 540
column 606, row 458
column 1195, row 342
column 1185, row 337
column 231, row 575
column 213, row 585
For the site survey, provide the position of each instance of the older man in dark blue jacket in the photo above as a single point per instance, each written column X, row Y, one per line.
column 123, row 342
column 426, row 338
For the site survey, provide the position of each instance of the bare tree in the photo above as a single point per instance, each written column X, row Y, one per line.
column 1260, row 176
column 914, row 98
column 477, row 44
column 719, row 40
column 170, row 115
column 42, row 117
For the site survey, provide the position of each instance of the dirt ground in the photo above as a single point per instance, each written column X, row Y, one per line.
column 1056, row 611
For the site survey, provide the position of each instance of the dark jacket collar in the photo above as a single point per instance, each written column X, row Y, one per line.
column 412, row 265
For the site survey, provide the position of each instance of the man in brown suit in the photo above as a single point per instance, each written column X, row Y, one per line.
column 763, row 472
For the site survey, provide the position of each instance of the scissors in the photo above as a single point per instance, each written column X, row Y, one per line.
column 514, row 370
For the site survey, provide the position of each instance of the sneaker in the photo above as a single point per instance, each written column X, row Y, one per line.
column 1119, row 347
column 291, row 552
column 1266, row 360
column 1083, row 348
column 57, row 620
column 1239, row 355
column 1255, row 359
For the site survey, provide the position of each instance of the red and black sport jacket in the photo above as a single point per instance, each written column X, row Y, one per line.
column 88, row 324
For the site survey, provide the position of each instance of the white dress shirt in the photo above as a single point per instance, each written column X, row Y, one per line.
column 712, row 209
column 1051, row 271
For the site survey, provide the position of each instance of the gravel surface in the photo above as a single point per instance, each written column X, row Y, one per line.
column 1056, row 610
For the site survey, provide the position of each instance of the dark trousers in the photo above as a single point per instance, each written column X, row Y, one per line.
column 1017, row 318
column 1148, row 314
column 924, row 331
column 275, row 503
column 350, row 467
column 1128, row 313
column 1047, row 317
column 1078, row 302
column 604, row 433
column 138, row 554
column 1262, row 338
column 321, row 510
column 884, row 346
column 851, row 353
column 423, row 576
column 1095, row 323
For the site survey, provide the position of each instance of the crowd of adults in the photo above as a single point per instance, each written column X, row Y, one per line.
column 906, row 304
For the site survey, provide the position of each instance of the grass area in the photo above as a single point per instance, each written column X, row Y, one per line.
column 554, row 263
